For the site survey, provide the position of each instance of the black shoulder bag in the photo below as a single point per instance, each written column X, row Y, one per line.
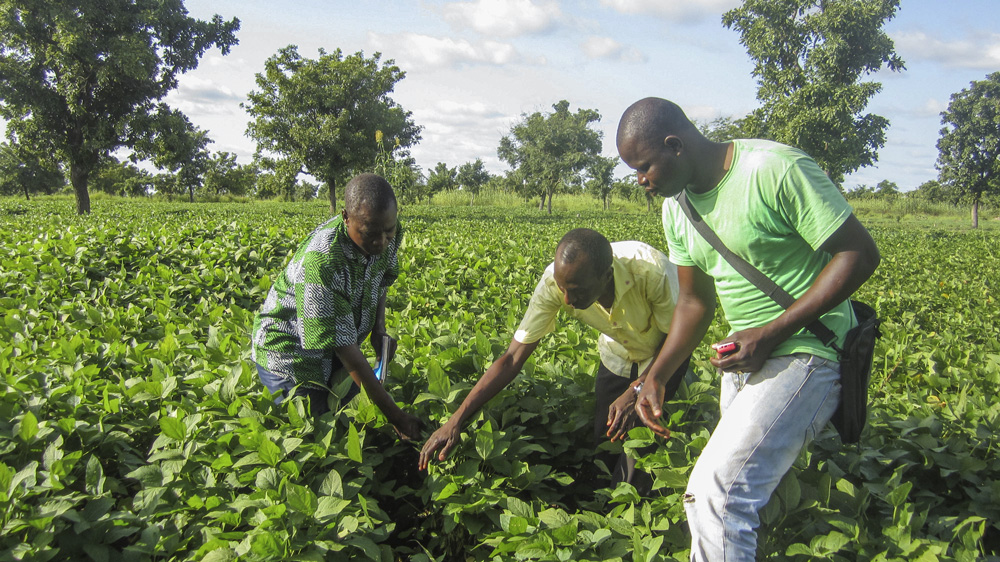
column 859, row 343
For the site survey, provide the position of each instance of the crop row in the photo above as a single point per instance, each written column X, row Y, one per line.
column 133, row 428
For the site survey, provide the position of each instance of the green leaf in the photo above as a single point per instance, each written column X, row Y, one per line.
column 29, row 427
column 438, row 383
column 484, row 440
column 301, row 498
column 899, row 494
column 173, row 428
column 94, row 476
column 353, row 444
column 333, row 484
column 269, row 452
column 265, row 545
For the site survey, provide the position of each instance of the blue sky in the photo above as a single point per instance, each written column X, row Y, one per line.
column 474, row 67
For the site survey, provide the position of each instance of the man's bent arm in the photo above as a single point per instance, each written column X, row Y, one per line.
column 692, row 317
column 495, row 379
column 363, row 375
column 854, row 258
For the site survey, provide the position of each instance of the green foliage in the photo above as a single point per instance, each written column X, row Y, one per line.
column 809, row 59
column 133, row 427
column 601, row 183
column 548, row 152
column 969, row 147
column 320, row 115
column 24, row 171
column 82, row 77
column 472, row 176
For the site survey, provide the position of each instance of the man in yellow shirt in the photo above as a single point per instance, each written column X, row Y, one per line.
column 627, row 291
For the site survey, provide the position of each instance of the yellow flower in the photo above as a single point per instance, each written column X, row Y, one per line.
column 378, row 135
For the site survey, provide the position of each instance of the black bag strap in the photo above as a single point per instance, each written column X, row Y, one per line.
column 751, row 273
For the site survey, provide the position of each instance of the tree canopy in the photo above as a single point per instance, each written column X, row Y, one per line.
column 321, row 115
column 810, row 57
column 550, row 150
column 969, row 147
column 472, row 176
column 84, row 76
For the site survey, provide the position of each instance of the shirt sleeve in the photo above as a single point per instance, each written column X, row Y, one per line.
column 540, row 318
column 810, row 202
column 325, row 316
column 676, row 249
column 661, row 298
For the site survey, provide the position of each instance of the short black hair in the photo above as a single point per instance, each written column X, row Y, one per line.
column 652, row 119
column 369, row 192
column 584, row 243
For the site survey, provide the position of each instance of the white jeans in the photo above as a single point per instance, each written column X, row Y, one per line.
column 767, row 418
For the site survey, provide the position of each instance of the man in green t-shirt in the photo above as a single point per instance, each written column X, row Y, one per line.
column 772, row 205
column 329, row 298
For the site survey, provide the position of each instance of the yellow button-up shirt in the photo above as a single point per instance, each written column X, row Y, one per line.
column 637, row 323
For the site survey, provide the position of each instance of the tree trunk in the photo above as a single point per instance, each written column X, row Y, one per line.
column 550, row 202
column 78, row 176
column 191, row 193
column 541, row 204
column 26, row 196
column 975, row 213
column 332, row 193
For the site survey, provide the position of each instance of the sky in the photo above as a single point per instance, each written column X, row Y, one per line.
column 475, row 68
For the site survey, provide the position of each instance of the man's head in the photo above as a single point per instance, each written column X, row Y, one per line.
column 370, row 213
column 654, row 139
column 583, row 268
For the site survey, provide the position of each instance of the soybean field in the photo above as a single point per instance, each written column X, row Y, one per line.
column 133, row 426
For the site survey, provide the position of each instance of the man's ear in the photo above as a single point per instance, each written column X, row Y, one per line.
column 343, row 214
column 674, row 144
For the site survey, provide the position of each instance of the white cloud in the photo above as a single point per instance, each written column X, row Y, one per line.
column 674, row 10
column 460, row 133
column 202, row 96
column 981, row 51
column 427, row 50
column 503, row 18
column 607, row 48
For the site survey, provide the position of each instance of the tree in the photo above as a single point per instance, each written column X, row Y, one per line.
column 809, row 58
column 179, row 146
column 441, row 178
column 321, row 116
column 550, row 150
column 722, row 129
column 26, row 171
column 224, row 176
column 471, row 177
column 602, row 179
column 969, row 147
column 121, row 178
column 84, row 75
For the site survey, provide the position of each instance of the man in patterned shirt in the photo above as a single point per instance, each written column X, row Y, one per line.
column 329, row 298
column 627, row 291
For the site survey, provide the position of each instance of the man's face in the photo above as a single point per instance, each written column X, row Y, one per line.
column 372, row 231
column 656, row 165
column 580, row 284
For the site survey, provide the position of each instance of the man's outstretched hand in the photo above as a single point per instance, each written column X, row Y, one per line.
column 649, row 406
column 443, row 440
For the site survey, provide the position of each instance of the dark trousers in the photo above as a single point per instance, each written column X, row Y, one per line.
column 607, row 388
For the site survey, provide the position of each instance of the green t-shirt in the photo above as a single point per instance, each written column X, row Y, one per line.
column 775, row 208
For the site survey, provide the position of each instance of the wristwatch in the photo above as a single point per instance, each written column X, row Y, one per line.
column 638, row 388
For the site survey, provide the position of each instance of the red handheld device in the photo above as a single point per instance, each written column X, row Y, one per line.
column 724, row 348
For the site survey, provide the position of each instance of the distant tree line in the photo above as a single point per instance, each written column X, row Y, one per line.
column 81, row 83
